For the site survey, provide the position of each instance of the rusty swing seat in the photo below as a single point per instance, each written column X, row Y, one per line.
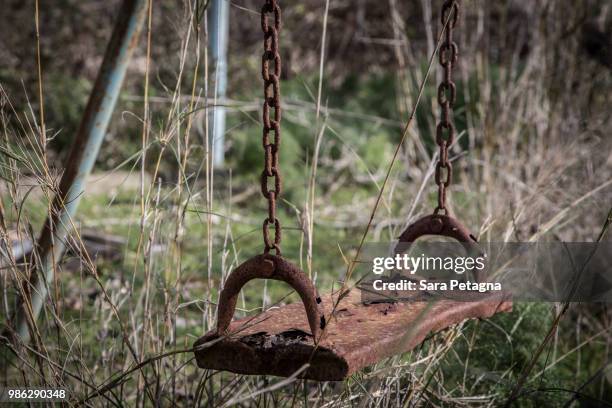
column 338, row 335
column 333, row 339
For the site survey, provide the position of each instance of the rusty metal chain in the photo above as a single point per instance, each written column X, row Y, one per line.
column 271, row 125
column 447, row 92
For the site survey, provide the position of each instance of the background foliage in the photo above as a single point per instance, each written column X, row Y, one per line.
column 533, row 162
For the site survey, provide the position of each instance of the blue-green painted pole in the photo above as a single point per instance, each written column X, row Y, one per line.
column 85, row 148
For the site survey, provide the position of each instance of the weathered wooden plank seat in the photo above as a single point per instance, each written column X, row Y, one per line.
column 279, row 341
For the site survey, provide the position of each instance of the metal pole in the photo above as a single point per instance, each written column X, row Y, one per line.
column 85, row 147
column 218, row 21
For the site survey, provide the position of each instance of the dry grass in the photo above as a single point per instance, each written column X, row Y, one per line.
column 533, row 163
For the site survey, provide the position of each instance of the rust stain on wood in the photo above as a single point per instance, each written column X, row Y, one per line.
column 279, row 342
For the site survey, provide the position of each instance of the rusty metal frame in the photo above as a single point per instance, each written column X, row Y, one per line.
column 442, row 226
column 268, row 266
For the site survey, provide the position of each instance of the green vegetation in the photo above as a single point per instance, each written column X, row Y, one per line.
column 532, row 160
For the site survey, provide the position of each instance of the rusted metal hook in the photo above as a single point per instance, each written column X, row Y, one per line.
column 268, row 266
column 437, row 224
column 440, row 225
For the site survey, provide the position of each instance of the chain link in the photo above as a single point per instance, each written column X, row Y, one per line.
column 447, row 94
column 271, row 124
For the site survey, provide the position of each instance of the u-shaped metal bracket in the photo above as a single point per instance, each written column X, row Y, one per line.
column 440, row 225
column 268, row 266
